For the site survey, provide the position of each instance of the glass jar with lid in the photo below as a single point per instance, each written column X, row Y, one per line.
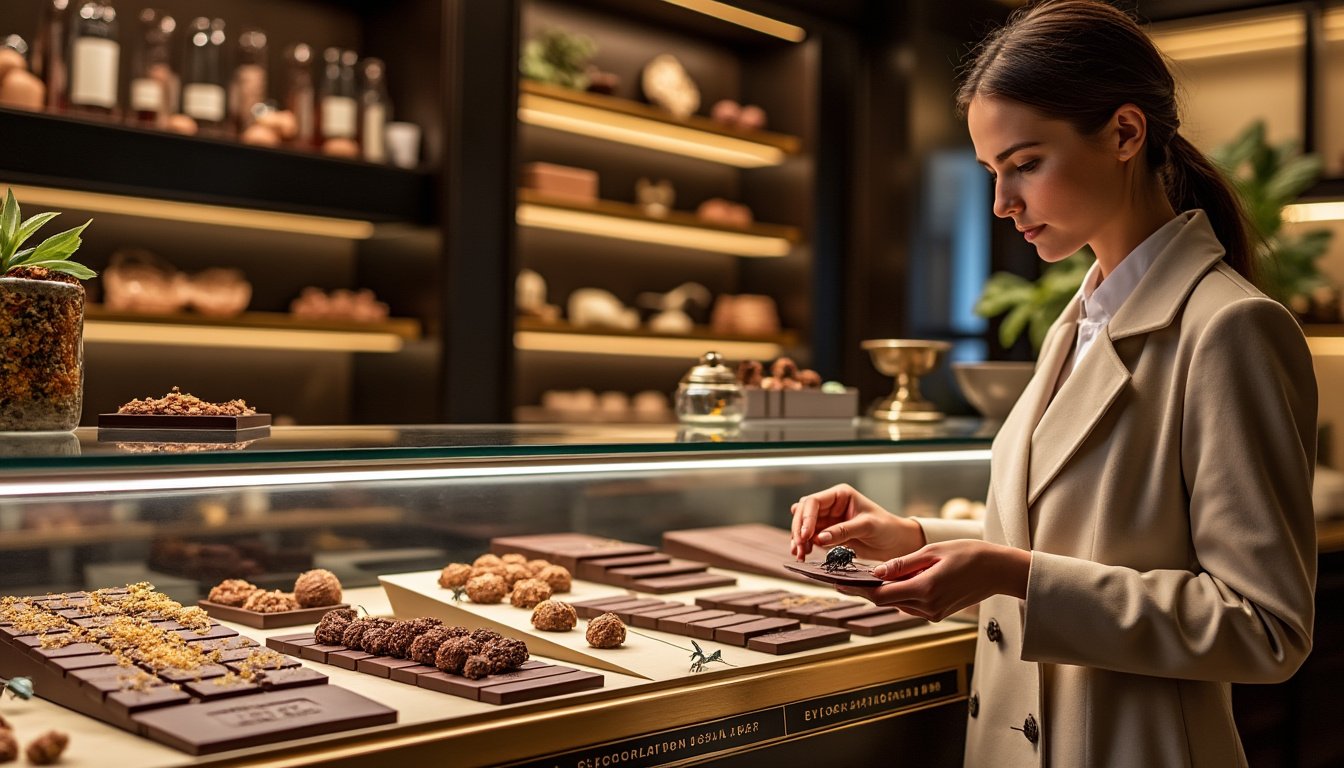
column 709, row 394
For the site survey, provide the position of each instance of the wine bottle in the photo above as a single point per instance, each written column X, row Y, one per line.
column 248, row 87
column 299, row 94
column 155, row 87
column 203, row 95
column 95, row 55
column 338, row 102
column 375, row 110
column 49, row 52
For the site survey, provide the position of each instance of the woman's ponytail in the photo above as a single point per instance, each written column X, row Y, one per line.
column 1192, row 181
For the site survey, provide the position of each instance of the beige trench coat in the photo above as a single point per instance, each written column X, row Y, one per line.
column 1165, row 494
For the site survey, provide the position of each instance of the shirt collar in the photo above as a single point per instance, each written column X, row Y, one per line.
column 1101, row 299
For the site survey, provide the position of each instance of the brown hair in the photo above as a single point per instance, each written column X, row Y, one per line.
column 1079, row 61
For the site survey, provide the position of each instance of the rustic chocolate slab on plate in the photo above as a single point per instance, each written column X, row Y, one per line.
column 166, row 422
column 860, row 576
column 267, row 620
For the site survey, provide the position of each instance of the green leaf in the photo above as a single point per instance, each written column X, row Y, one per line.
column 1002, row 292
column 9, row 226
column 65, row 267
column 30, row 227
column 1013, row 325
column 62, row 245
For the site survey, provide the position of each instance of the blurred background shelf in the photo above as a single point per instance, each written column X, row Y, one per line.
column 91, row 156
column 535, row 336
column 250, row 330
column 626, row 221
column 642, row 125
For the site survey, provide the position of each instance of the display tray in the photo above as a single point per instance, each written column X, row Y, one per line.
column 767, row 622
column 232, row 693
column 750, row 547
column 533, row 680
column 860, row 576
column 618, row 563
column 273, row 620
column 160, row 422
column 181, row 440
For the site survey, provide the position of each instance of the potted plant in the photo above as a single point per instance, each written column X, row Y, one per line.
column 41, row 325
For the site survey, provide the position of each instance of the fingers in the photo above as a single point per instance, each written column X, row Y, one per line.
column 808, row 512
column 901, row 568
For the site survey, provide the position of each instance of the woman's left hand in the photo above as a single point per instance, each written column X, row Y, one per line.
column 940, row 579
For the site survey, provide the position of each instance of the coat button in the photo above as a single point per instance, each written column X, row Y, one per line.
column 1030, row 730
column 993, row 632
column 975, row 705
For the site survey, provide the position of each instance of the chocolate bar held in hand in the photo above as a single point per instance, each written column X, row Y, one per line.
column 858, row 575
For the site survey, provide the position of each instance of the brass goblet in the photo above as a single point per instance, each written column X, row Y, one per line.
column 907, row 360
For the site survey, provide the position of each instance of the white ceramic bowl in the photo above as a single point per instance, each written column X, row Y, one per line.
column 992, row 387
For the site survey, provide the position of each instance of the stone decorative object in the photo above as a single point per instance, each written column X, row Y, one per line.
column 594, row 307
column 667, row 84
column 139, row 281
column 672, row 307
column 360, row 306
column 217, row 292
column 724, row 213
column 655, row 198
column 530, row 297
column 729, row 112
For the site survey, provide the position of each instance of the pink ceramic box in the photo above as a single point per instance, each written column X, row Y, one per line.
column 560, row 180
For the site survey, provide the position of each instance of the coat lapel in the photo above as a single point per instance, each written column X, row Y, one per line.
column 1012, row 453
column 1101, row 376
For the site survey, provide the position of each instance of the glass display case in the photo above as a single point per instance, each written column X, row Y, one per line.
column 91, row 509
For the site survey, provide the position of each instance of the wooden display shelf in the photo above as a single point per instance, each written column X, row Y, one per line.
column 625, row 221
column 1323, row 329
column 103, row 157
column 643, row 125
column 250, row 330
column 534, row 335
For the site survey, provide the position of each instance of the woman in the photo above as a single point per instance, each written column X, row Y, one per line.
column 1149, row 536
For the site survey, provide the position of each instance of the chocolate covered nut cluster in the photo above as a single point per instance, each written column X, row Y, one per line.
column 273, row 601
column 605, row 631
column 554, row 616
column 490, row 578
column 232, row 592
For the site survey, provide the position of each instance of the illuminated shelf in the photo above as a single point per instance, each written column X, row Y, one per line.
column 625, row 221
column 60, row 152
column 535, row 336
column 1325, row 339
column 251, row 330
column 642, row 125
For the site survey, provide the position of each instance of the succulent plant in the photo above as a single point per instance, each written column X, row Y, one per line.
column 52, row 254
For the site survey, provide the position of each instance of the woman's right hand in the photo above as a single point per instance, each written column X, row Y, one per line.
column 842, row 515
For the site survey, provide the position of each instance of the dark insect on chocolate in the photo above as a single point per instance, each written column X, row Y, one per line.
column 839, row 558
column 699, row 659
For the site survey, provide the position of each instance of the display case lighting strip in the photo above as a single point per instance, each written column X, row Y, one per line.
column 742, row 18
column 194, row 213
column 546, row 112
column 636, row 230
column 1299, row 213
column 31, row 487
column 642, row 346
column 110, row 332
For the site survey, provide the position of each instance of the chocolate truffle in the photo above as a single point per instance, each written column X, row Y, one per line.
column 809, row 378
column 403, row 633
column 424, row 647
column 316, row 588
column 232, row 592
column 332, row 626
column 528, row 592
column 536, row 565
column 496, row 569
column 749, row 373
column 514, row 573
column 513, row 558
column 476, row 667
column 483, row 635
column 487, row 560
column 554, row 616
column 557, row 576
column 9, row 746
column 454, row 653
column 505, row 653
column 486, row 588
column 375, row 640
column 454, row 575
column 606, row 631
column 47, row 748
column 273, row 601
column 784, row 368
column 353, row 637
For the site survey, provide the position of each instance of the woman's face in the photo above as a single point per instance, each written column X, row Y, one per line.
column 1059, row 187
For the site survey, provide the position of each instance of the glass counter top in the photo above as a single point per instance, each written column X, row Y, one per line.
column 90, row 447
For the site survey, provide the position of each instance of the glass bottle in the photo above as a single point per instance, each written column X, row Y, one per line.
column 49, row 52
column 154, row 85
column 338, row 102
column 203, row 96
column 375, row 109
column 299, row 96
column 248, row 87
column 95, row 54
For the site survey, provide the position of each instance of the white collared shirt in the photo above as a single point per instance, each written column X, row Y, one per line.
column 1103, row 298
